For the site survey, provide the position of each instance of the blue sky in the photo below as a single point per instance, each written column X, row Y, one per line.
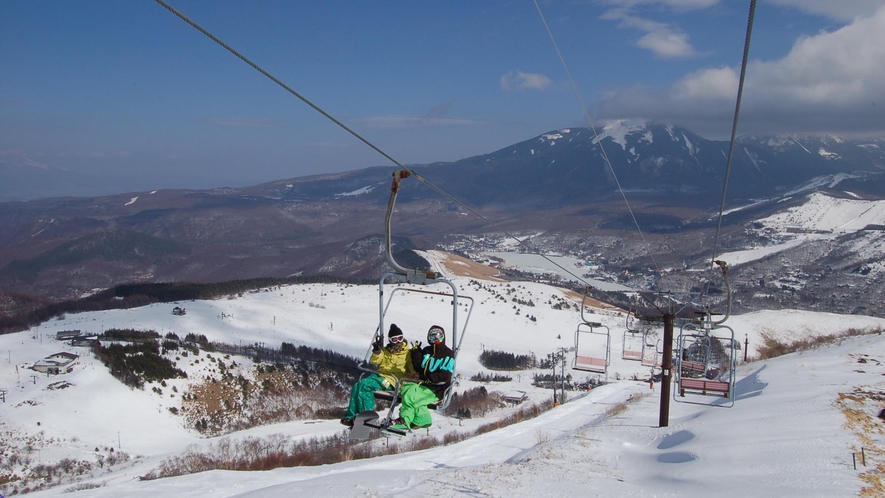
column 129, row 91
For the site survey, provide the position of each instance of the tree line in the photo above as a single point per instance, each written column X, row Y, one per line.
column 502, row 360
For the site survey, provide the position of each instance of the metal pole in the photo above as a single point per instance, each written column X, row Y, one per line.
column 746, row 346
column 554, row 379
column 666, row 371
column 562, row 376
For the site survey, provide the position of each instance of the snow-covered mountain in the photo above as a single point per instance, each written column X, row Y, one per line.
column 565, row 166
column 568, row 166
column 557, row 183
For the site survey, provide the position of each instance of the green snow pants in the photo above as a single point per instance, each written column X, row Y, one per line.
column 415, row 399
column 362, row 395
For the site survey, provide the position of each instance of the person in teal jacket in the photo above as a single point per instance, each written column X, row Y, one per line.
column 393, row 363
column 434, row 365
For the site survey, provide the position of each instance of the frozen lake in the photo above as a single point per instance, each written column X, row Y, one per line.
column 538, row 264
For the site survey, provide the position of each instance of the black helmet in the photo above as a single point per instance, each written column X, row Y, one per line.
column 436, row 334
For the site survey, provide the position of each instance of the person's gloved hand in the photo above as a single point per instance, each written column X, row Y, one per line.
column 377, row 345
column 416, row 345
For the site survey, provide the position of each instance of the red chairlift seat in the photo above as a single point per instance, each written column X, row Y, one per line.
column 703, row 386
column 590, row 364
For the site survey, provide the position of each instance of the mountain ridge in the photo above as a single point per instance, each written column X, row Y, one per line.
column 555, row 188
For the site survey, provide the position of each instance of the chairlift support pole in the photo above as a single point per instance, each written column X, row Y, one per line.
column 666, row 370
column 552, row 357
column 562, row 361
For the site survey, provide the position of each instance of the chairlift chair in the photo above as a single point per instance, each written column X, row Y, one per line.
column 706, row 357
column 365, row 422
column 705, row 363
column 652, row 348
column 633, row 343
column 592, row 345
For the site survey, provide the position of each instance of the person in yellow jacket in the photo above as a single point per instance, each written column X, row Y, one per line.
column 393, row 363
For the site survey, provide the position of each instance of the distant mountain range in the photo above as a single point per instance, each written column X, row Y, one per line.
column 560, row 168
column 556, row 183
column 568, row 167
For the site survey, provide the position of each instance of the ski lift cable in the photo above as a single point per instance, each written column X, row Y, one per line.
column 737, row 110
column 304, row 99
column 596, row 135
column 274, row 79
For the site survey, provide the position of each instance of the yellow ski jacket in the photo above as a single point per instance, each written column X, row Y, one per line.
column 392, row 366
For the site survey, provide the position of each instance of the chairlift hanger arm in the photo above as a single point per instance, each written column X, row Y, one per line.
column 724, row 266
column 412, row 276
column 584, row 305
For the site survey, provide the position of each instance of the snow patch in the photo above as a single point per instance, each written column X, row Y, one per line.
column 741, row 257
column 827, row 154
column 752, row 159
column 359, row 191
column 617, row 131
column 691, row 148
column 829, row 181
column 824, row 213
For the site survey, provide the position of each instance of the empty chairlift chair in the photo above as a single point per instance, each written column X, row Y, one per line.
column 632, row 345
column 652, row 348
column 592, row 345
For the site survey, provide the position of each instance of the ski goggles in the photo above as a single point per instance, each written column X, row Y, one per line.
column 397, row 338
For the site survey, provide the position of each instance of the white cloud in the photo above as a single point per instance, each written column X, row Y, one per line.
column 830, row 82
column 521, row 80
column 843, row 10
column 664, row 40
column 667, row 43
column 712, row 83
column 674, row 4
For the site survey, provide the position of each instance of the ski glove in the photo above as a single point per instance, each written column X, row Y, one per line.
column 377, row 345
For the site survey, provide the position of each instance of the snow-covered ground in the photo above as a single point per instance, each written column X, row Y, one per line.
column 787, row 434
column 824, row 212
column 820, row 217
